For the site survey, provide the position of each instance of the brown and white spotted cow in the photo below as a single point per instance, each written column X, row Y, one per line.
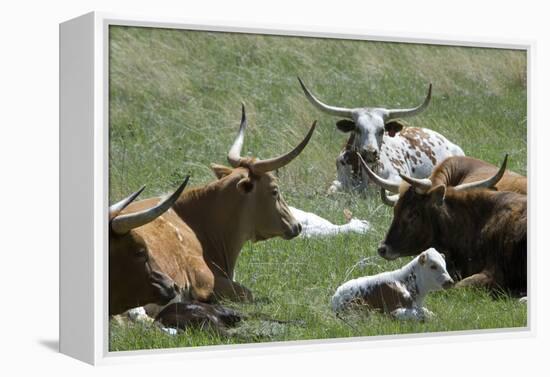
column 385, row 143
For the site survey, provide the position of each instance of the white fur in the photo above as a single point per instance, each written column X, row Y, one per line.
column 316, row 226
column 138, row 315
column 396, row 149
column 170, row 331
column 426, row 279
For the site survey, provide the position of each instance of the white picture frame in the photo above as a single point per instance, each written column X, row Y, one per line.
column 84, row 179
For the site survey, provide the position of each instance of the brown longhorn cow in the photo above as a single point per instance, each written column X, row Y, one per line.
column 483, row 233
column 457, row 171
column 134, row 279
column 212, row 223
column 461, row 173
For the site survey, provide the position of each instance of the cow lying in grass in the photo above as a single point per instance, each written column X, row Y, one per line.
column 315, row 226
column 197, row 241
column 135, row 279
column 461, row 173
column 482, row 232
column 387, row 144
column 399, row 293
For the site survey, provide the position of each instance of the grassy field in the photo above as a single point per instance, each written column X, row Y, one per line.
column 175, row 108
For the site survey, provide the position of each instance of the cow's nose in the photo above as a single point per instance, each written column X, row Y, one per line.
column 370, row 154
column 297, row 229
column 382, row 250
column 449, row 283
column 171, row 292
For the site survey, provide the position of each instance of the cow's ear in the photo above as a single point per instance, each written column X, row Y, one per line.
column 245, row 185
column 437, row 194
column 220, row 170
column 345, row 125
column 422, row 259
column 394, row 126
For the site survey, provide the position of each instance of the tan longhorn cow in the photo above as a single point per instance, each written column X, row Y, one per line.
column 211, row 224
column 134, row 279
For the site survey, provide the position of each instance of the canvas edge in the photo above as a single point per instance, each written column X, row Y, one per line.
column 76, row 190
column 101, row 353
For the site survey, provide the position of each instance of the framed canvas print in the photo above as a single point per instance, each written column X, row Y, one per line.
column 242, row 186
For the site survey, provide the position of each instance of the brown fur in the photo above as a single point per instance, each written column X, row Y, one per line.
column 458, row 170
column 385, row 297
column 480, row 231
column 176, row 251
column 197, row 242
column 134, row 279
column 196, row 314
column 417, row 138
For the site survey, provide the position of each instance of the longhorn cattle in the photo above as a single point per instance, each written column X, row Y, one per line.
column 459, row 172
column 210, row 224
column 400, row 293
column 135, row 279
column 482, row 232
column 384, row 141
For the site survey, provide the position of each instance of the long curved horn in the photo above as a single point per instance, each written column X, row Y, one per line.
column 234, row 156
column 421, row 185
column 115, row 209
column 263, row 166
column 333, row 110
column 386, row 184
column 388, row 200
column 486, row 183
column 400, row 113
column 123, row 224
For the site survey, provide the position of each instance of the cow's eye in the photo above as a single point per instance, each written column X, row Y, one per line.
column 433, row 267
column 275, row 193
column 140, row 253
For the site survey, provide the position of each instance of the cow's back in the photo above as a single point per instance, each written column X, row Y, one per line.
column 416, row 151
column 458, row 170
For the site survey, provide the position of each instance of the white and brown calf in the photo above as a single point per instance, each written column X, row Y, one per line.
column 400, row 293
column 385, row 143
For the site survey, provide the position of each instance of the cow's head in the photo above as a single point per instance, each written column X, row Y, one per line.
column 368, row 124
column 134, row 280
column 257, row 190
column 416, row 209
column 432, row 271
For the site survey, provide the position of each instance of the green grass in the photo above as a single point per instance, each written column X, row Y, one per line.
column 175, row 108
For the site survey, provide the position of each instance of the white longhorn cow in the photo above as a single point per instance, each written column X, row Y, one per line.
column 385, row 143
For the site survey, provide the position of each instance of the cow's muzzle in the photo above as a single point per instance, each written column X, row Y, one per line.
column 295, row 231
column 164, row 286
column 448, row 284
column 370, row 155
column 386, row 252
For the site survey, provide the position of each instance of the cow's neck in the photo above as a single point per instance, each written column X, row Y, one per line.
column 215, row 215
column 459, row 226
column 408, row 276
